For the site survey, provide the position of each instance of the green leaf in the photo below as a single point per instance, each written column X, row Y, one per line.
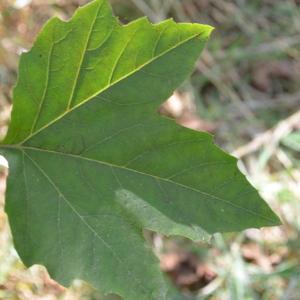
column 92, row 164
column 292, row 141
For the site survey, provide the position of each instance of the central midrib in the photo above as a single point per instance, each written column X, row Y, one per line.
column 107, row 245
column 110, row 86
column 74, row 156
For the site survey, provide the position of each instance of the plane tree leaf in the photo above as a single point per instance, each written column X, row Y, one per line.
column 92, row 163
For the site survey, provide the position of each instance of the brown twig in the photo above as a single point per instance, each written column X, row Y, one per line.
column 269, row 138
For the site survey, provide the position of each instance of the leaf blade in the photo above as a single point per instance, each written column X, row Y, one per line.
column 72, row 82
column 105, row 176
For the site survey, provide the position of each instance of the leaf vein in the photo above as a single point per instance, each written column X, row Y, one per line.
column 96, row 95
column 154, row 176
column 75, row 84
column 82, row 219
column 44, row 92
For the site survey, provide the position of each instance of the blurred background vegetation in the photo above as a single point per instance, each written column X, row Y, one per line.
column 246, row 91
